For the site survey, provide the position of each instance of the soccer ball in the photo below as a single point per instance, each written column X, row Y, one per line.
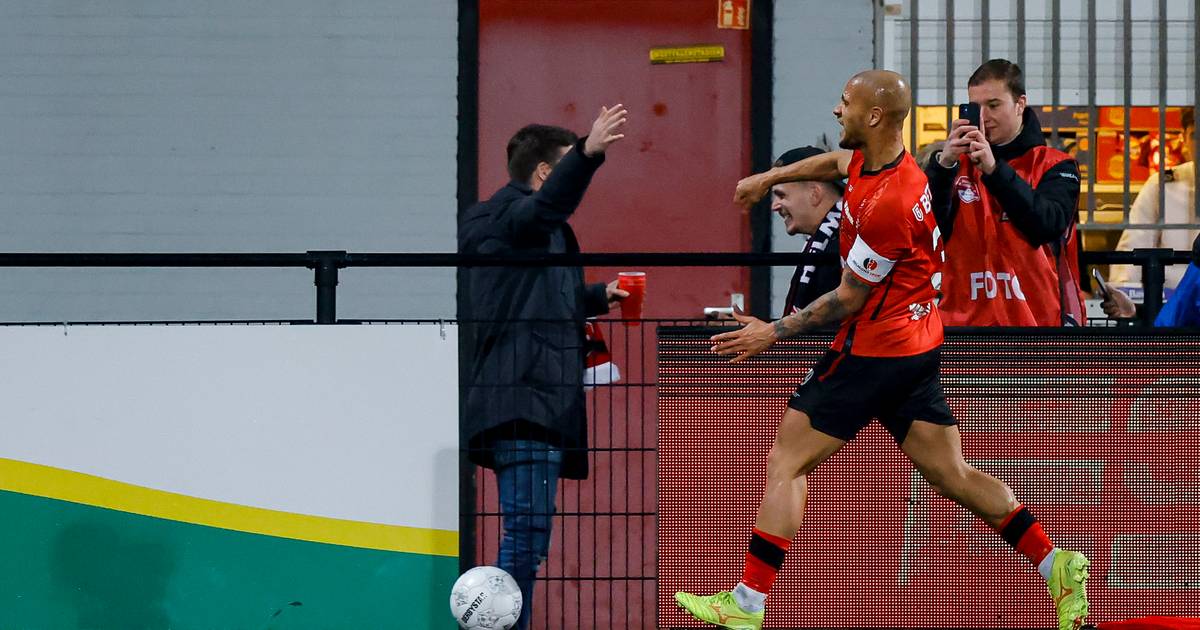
column 486, row 597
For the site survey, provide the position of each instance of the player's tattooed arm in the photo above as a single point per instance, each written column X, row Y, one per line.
column 847, row 299
column 756, row 335
column 824, row 167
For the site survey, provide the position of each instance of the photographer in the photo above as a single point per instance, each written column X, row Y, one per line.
column 1006, row 206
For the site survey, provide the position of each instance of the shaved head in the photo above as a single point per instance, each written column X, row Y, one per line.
column 886, row 90
column 873, row 107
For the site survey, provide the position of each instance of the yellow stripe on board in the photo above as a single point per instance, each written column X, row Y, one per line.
column 65, row 485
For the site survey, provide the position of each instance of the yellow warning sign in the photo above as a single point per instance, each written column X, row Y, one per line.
column 687, row 54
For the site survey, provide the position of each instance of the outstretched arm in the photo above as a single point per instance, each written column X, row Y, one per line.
column 825, row 167
column 552, row 205
column 847, row 299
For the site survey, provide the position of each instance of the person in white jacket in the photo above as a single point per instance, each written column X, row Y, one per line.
column 1179, row 207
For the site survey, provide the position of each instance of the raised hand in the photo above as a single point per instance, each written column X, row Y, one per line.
column 606, row 129
column 981, row 152
column 957, row 143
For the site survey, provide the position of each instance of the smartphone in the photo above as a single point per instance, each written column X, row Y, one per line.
column 1100, row 282
column 970, row 112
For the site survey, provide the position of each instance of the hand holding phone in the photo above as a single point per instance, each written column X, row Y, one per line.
column 957, row 142
column 1116, row 304
column 970, row 113
column 1100, row 283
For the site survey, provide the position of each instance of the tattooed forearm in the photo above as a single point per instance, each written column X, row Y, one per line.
column 830, row 308
column 827, row 309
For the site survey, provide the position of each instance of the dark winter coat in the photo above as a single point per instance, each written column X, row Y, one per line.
column 523, row 326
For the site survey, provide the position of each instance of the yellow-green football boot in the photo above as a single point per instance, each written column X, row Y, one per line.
column 720, row 610
column 1068, row 588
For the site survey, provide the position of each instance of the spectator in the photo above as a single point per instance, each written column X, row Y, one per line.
column 1179, row 206
column 1006, row 206
column 925, row 154
column 813, row 208
column 1183, row 309
column 523, row 407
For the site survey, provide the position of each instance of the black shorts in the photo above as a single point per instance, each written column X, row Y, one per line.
column 844, row 392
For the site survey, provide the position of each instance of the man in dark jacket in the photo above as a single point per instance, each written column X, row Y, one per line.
column 813, row 208
column 1006, row 206
column 523, row 411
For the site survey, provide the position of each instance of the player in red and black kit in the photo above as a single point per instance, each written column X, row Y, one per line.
column 883, row 364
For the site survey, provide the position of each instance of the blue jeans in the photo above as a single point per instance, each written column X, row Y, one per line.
column 527, row 477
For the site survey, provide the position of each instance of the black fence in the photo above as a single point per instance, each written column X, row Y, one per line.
column 326, row 265
column 601, row 564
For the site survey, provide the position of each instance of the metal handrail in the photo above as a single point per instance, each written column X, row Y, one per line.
column 326, row 263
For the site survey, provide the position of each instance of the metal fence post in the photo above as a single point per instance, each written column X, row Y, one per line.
column 1154, row 276
column 325, row 265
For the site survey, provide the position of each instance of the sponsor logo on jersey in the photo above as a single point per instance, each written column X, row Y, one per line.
column 920, row 311
column 924, row 205
column 967, row 191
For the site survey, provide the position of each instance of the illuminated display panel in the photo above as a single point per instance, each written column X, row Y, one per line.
column 1097, row 435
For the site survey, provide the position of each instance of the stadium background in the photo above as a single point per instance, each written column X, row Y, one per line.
column 220, row 126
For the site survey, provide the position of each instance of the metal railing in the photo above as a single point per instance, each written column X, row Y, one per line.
column 326, row 265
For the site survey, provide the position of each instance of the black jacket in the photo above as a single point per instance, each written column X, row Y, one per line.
column 522, row 327
column 1042, row 213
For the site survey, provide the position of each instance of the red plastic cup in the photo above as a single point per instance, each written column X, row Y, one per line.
column 635, row 283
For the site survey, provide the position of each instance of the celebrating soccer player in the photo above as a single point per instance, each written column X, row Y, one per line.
column 884, row 360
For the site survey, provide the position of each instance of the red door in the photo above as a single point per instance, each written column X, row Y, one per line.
column 667, row 187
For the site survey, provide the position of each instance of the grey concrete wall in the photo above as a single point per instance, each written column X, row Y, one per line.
column 818, row 45
column 225, row 126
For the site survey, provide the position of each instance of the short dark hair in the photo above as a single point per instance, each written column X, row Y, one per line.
column 534, row 144
column 1188, row 118
column 1001, row 70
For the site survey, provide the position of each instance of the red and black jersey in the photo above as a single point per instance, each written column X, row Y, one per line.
column 890, row 239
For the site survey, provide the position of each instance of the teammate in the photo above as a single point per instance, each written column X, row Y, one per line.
column 883, row 363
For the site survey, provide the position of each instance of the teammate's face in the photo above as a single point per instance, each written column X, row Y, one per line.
column 845, row 113
column 999, row 113
column 793, row 202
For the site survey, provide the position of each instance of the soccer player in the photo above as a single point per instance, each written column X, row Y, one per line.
column 883, row 363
